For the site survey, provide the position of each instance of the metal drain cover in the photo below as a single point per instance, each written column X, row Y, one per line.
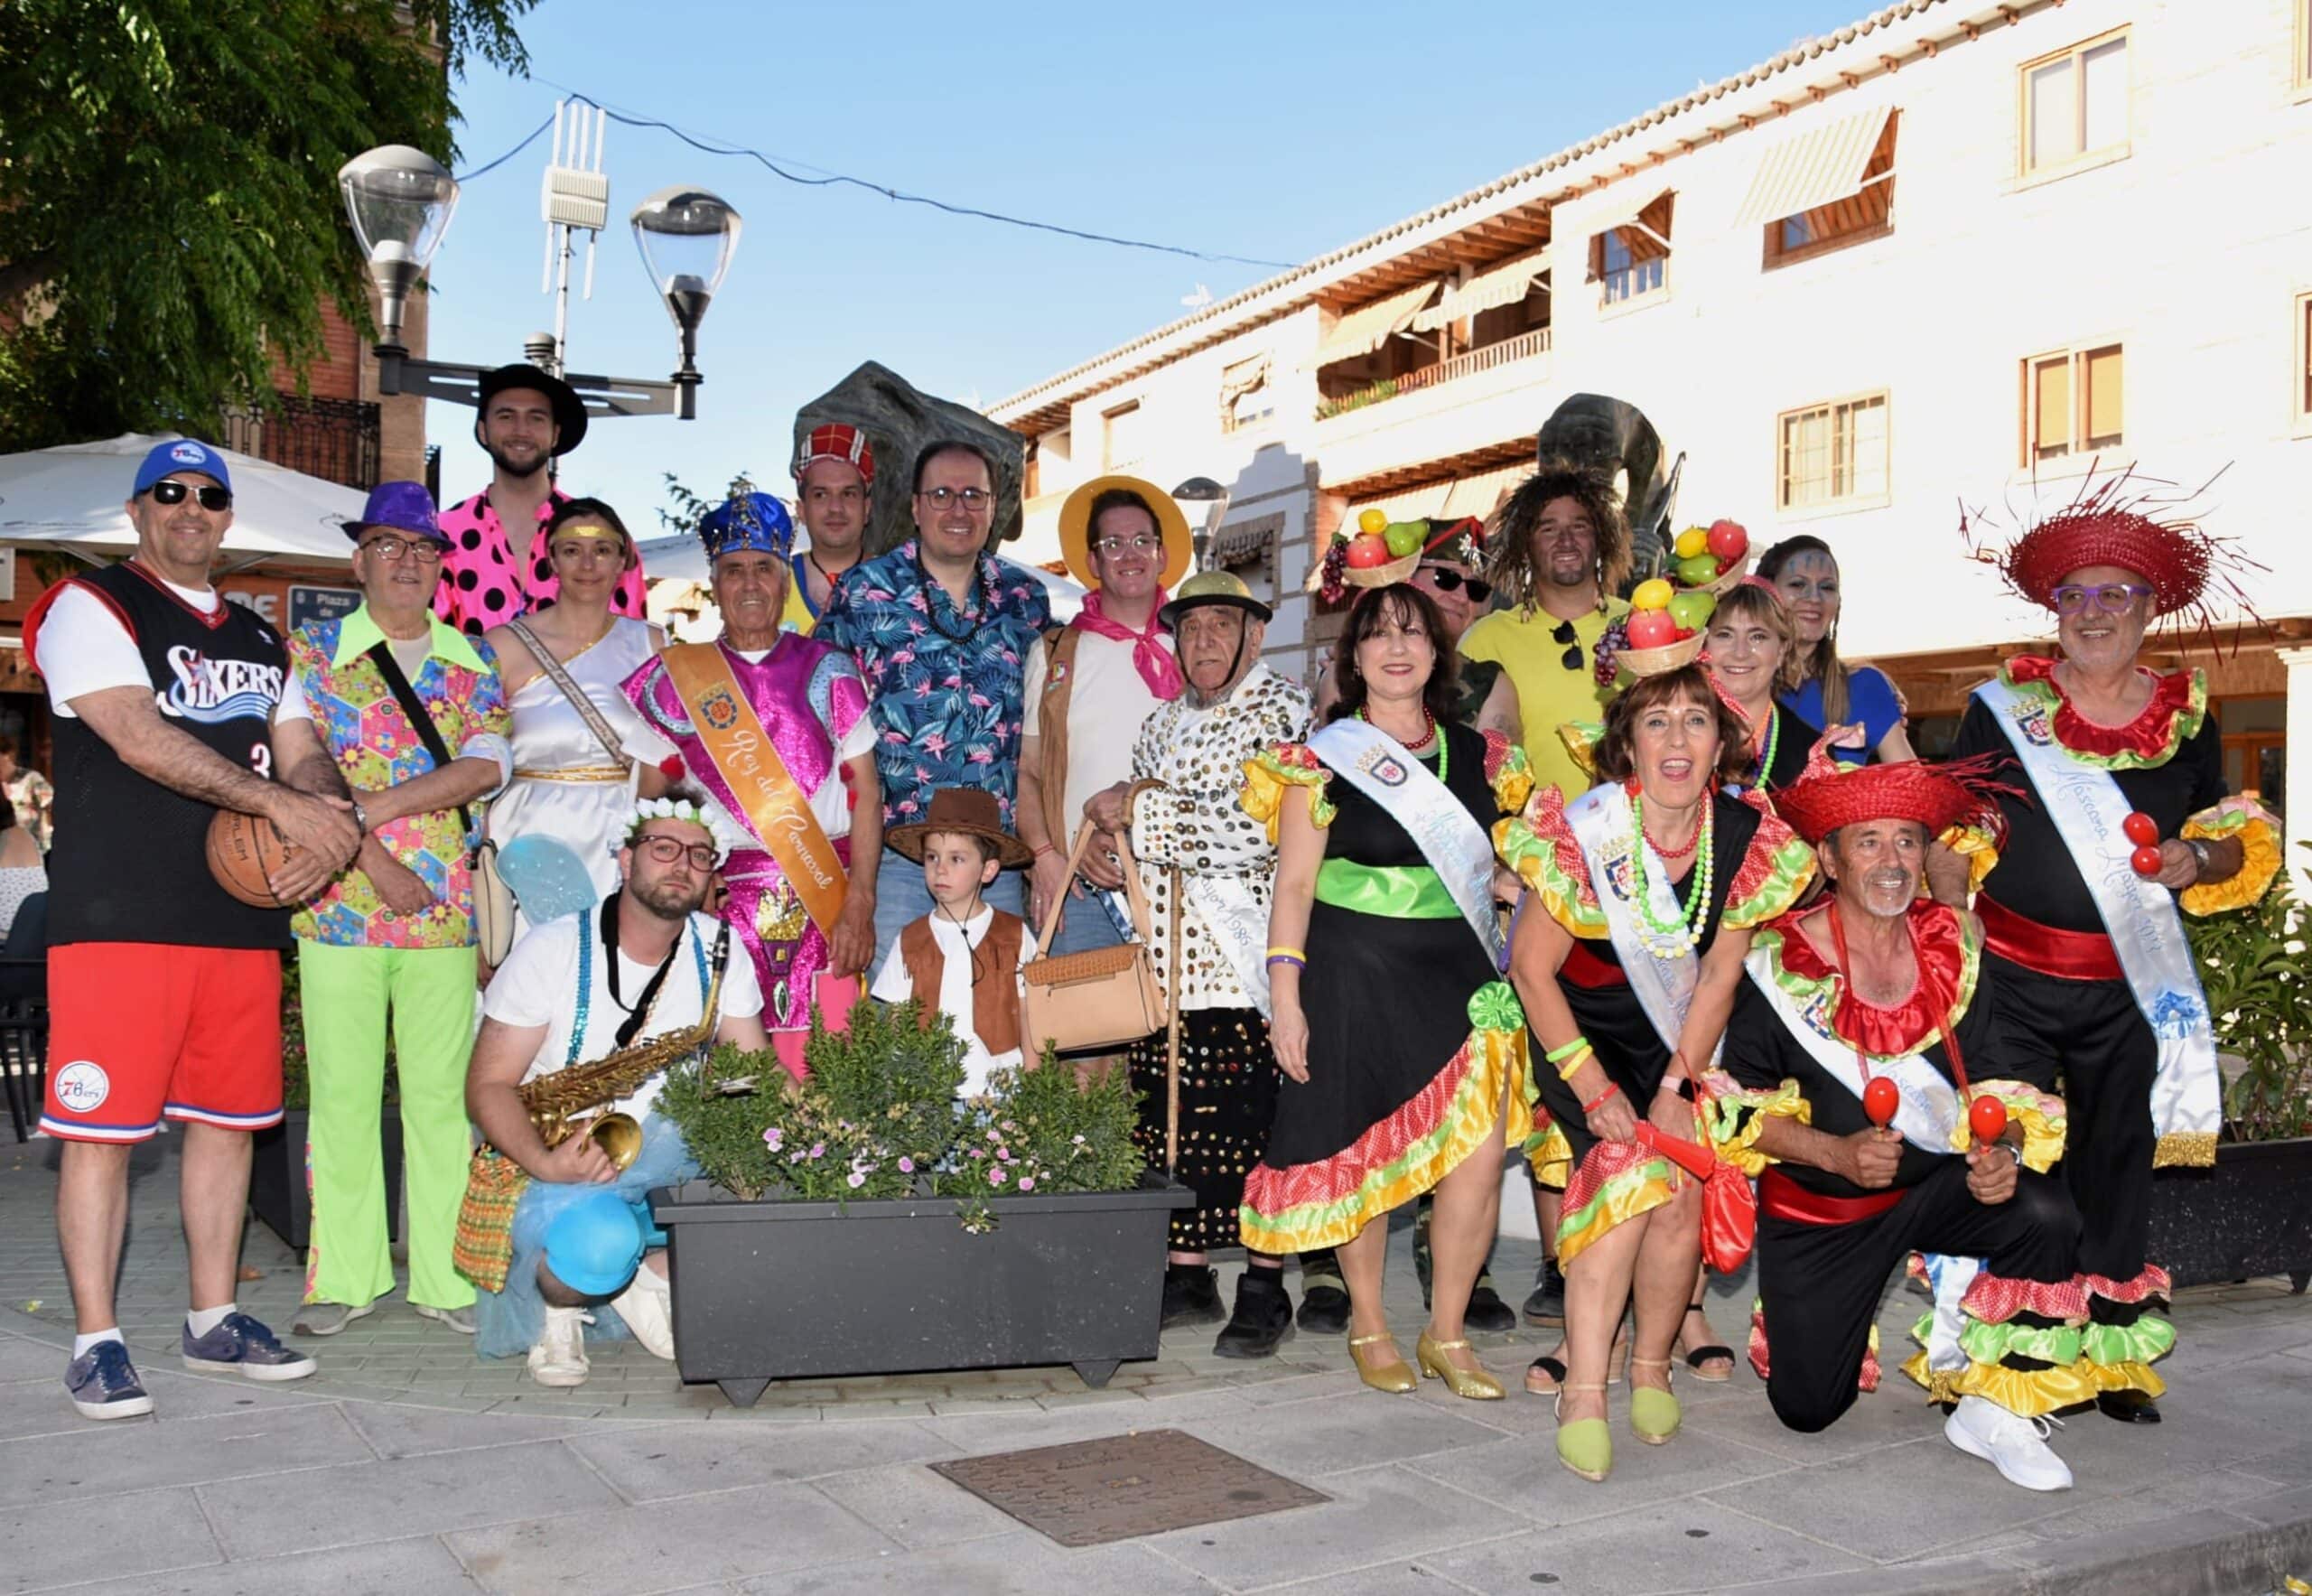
column 1121, row 1487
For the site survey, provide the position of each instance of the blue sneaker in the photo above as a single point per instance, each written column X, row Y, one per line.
column 103, row 1383
column 242, row 1346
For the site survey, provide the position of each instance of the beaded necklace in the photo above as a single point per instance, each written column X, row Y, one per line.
column 1444, row 748
column 1765, row 754
column 1684, row 933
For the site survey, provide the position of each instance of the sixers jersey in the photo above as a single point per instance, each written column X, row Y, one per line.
column 130, row 860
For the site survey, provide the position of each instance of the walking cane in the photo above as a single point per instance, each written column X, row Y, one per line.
column 1172, row 1038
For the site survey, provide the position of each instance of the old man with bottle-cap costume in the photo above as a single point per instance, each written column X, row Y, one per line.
column 773, row 725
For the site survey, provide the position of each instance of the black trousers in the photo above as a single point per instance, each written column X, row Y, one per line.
column 2092, row 1036
column 1820, row 1285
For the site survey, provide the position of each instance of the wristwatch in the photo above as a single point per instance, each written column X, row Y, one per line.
column 360, row 817
column 2199, row 851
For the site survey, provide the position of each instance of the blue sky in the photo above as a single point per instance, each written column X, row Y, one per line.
column 1272, row 131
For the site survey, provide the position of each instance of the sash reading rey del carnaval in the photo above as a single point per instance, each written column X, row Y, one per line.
column 771, row 802
column 2089, row 812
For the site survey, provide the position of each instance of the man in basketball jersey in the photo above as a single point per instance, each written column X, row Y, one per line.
column 164, row 699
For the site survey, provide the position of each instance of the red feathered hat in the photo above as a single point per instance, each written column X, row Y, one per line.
column 1938, row 797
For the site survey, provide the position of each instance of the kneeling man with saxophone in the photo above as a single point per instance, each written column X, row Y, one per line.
column 584, row 1019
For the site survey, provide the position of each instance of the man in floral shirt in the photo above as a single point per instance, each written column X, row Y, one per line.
column 941, row 630
column 394, row 934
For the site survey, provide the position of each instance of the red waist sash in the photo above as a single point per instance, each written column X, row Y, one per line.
column 2070, row 956
column 1585, row 968
column 1785, row 1199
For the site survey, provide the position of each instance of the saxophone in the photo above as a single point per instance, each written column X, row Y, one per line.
column 555, row 1101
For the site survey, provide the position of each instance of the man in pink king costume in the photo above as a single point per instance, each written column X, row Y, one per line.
column 774, row 726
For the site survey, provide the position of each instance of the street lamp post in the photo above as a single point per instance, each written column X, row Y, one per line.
column 1204, row 490
column 400, row 200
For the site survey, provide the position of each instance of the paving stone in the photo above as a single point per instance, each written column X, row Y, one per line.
column 21, row 1359
column 120, row 1456
column 398, row 1430
column 1019, row 1562
column 651, row 1462
column 1524, row 1475
column 1310, row 1439
column 1677, row 1546
column 423, row 1566
column 916, row 1507
column 1376, row 1517
column 379, row 1501
column 729, row 1535
column 103, row 1536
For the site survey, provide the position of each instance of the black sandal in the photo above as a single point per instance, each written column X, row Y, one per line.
column 1714, row 1353
column 1545, row 1365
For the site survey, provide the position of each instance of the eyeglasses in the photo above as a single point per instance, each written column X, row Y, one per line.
column 168, row 490
column 1140, row 542
column 666, row 850
column 2113, row 598
column 1448, row 581
column 974, row 499
column 1562, row 632
column 394, row 550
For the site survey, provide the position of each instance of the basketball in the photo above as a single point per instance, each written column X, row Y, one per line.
column 241, row 849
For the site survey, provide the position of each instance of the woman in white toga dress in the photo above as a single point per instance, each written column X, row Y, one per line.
column 567, row 784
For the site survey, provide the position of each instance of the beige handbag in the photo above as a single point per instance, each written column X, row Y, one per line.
column 1105, row 997
column 493, row 907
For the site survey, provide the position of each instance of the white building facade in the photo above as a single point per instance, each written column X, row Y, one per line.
column 1946, row 257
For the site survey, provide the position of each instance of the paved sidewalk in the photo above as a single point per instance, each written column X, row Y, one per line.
column 407, row 1466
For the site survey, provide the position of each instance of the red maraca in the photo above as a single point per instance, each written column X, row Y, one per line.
column 2142, row 830
column 1881, row 1099
column 2146, row 861
column 1987, row 1117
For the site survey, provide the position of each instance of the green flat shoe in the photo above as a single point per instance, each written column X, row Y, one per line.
column 1654, row 1414
column 1585, row 1446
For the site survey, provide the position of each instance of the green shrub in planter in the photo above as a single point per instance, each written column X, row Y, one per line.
column 2252, row 963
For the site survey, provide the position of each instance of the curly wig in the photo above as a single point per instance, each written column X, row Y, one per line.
column 1509, row 547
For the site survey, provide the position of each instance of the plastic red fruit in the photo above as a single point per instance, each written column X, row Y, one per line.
column 2142, row 830
column 2145, row 860
column 1365, row 552
column 1881, row 1099
column 1987, row 1117
column 1729, row 540
column 1650, row 628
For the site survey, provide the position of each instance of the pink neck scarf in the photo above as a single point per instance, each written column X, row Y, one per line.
column 1149, row 657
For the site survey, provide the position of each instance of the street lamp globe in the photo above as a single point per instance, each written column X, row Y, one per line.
column 687, row 237
column 399, row 200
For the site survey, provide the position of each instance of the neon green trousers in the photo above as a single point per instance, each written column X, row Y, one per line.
column 349, row 994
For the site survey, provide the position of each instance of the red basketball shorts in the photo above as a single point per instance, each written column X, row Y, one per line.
column 141, row 1030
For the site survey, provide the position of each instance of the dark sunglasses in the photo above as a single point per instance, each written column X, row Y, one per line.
column 168, row 490
column 1562, row 632
column 1480, row 590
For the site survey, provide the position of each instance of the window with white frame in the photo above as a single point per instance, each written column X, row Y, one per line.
column 1834, row 453
column 2073, row 402
column 2075, row 105
column 1120, row 435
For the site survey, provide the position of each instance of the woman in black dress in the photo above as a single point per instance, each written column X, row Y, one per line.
column 1402, row 1048
column 1648, row 887
column 1754, row 658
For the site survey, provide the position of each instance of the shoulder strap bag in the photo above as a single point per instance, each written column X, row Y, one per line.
column 588, row 710
column 1101, row 999
column 493, row 901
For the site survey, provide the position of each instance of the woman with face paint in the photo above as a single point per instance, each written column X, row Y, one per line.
column 1804, row 571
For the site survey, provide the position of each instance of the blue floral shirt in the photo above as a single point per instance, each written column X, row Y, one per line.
column 944, row 684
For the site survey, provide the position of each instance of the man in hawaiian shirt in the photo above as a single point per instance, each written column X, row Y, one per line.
column 941, row 630
column 393, row 937
column 496, row 568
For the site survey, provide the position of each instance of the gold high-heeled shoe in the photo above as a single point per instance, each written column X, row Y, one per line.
column 1396, row 1378
column 1475, row 1384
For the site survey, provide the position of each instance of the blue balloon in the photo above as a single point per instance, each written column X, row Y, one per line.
column 546, row 878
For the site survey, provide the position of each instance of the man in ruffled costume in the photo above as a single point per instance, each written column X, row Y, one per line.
column 1871, row 989
column 1187, row 828
column 774, row 726
column 2095, row 974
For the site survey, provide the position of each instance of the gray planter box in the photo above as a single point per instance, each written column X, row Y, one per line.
column 779, row 1291
column 278, row 1194
column 2251, row 1214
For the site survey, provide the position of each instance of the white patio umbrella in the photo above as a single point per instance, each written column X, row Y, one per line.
column 72, row 498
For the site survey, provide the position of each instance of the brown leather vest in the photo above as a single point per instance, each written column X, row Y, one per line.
column 995, row 995
column 1051, row 736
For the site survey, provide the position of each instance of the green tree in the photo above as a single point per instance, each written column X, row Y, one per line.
column 169, row 210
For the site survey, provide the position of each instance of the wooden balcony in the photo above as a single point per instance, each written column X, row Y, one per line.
column 1524, row 346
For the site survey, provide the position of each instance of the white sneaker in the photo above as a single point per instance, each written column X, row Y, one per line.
column 648, row 1306
column 2015, row 1446
column 560, row 1357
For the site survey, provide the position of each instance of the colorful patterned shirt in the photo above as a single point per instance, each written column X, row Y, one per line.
column 944, row 684
column 375, row 747
column 482, row 587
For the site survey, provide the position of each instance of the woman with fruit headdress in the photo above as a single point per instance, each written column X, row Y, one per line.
column 1650, row 886
column 1403, row 1050
column 2123, row 817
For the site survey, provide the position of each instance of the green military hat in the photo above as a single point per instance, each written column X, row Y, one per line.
column 1213, row 587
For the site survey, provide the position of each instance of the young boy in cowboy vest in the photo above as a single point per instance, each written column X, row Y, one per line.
column 964, row 958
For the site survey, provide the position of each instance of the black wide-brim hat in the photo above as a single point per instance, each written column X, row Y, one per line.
column 569, row 409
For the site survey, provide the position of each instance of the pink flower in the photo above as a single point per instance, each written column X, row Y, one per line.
column 1004, row 1153
column 773, row 1137
column 907, row 1166
column 1027, row 1182
column 857, row 1180
column 995, row 1177
column 819, row 1149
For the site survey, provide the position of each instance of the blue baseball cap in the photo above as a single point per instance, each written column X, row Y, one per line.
column 594, row 1243
column 180, row 454
column 406, row 507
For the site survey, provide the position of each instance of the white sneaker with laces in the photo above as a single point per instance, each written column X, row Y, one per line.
column 2015, row 1446
column 560, row 1357
column 648, row 1306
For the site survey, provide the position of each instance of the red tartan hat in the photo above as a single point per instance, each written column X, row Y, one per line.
column 836, row 441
